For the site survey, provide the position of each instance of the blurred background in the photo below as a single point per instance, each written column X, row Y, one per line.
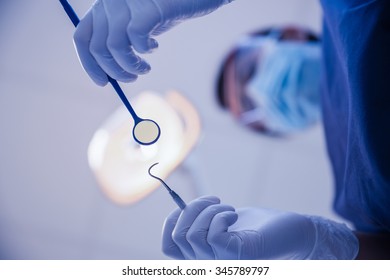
column 51, row 204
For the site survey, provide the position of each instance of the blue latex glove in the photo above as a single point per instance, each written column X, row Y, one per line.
column 111, row 30
column 206, row 229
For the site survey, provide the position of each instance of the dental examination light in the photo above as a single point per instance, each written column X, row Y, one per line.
column 145, row 131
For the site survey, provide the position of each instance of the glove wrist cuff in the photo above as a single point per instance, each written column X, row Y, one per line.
column 333, row 240
column 178, row 10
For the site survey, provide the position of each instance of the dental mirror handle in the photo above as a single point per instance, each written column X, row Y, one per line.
column 125, row 101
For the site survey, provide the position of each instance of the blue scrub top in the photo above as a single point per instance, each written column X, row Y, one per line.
column 356, row 108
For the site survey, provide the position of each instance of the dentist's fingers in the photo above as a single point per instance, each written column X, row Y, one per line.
column 226, row 245
column 99, row 49
column 81, row 38
column 169, row 247
column 145, row 17
column 118, row 43
column 199, row 230
column 186, row 219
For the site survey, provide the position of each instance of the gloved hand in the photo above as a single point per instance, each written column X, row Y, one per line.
column 111, row 30
column 206, row 229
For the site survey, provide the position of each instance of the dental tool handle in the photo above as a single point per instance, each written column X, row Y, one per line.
column 180, row 202
column 75, row 20
column 70, row 12
column 125, row 101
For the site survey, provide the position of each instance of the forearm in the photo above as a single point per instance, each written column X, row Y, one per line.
column 184, row 9
column 373, row 246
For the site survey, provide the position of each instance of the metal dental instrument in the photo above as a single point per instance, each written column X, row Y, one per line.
column 145, row 131
column 174, row 195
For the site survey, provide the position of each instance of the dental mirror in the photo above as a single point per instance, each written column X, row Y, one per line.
column 145, row 131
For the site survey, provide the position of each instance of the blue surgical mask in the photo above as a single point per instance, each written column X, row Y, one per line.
column 285, row 87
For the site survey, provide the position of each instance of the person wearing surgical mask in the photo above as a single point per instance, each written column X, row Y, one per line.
column 355, row 108
column 270, row 81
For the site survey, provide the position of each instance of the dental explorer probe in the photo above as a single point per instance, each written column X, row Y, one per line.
column 176, row 198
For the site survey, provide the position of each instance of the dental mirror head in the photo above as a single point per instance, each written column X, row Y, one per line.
column 146, row 132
